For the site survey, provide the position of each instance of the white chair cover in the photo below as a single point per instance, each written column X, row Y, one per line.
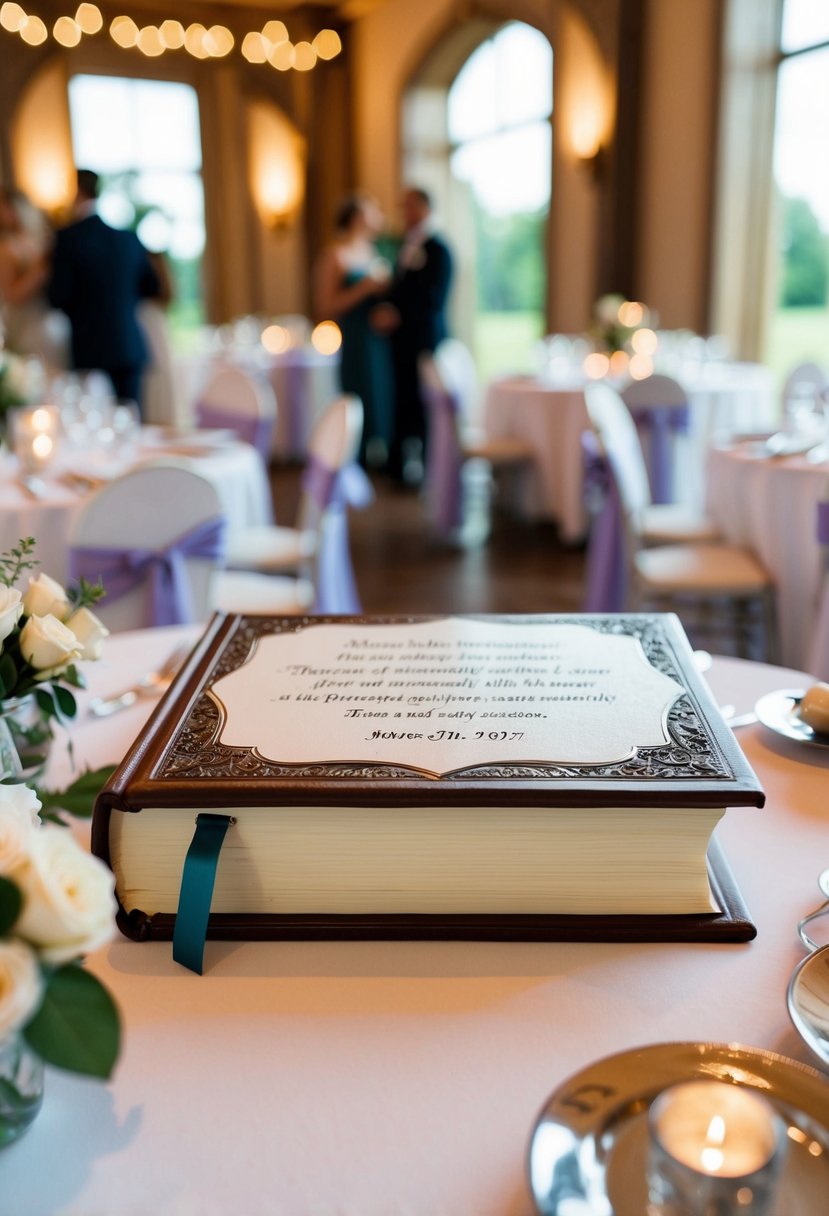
column 819, row 659
column 149, row 508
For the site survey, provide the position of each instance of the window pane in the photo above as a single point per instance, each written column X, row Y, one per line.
column 472, row 96
column 801, row 169
column 525, row 74
column 805, row 23
column 508, row 172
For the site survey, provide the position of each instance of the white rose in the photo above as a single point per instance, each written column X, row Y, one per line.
column 21, row 985
column 46, row 597
column 11, row 606
column 89, row 631
column 19, row 820
column 68, row 897
column 47, row 644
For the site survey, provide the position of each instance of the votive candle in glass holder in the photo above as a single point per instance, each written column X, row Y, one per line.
column 36, row 433
column 716, row 1149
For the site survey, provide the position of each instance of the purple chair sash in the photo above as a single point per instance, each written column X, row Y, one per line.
column 606, row 575
column 656, row 425
column 251, row 428
column 819, row 661
column 333, row 490
column 444, row 486
column 122, row 570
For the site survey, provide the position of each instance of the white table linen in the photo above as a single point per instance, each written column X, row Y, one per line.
column 551, row 415
column 770, row 506
column 234, row 468
column 360, row 1079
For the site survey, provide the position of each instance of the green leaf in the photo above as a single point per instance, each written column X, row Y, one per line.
column 8, row 674
column 46, row 702
column 77, row 1026
column 79, row 797
column 11, row 901
column 66, row 703
column 74, row 677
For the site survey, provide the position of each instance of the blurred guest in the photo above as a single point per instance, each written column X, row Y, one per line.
column 26, row 239
column 416, row 318
column 349, row 278
column 98, row 276
column 161, row 403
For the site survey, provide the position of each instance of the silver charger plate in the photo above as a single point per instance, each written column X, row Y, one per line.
column 779, row 711
column 589, row 1147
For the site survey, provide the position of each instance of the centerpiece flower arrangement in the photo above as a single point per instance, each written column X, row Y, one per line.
column 45, row 632
column 56, row 900
column 56, row 904
column 616, row 320
column 21, row 383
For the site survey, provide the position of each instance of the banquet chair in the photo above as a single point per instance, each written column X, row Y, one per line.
column 819, row 656
column 659, row 407
column 156, row 538
column 461, row 463
column 805, row 385
column 316, row 548
column 710, row 582
column 238, row 401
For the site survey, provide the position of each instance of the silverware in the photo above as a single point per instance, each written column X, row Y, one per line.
column 733, row 719
column 151, row 685
column 807, row 996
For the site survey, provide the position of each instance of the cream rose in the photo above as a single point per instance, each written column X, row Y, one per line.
column 21, row 985
column 68, row 897
column 89, row 631
column 11, row 606
column 19, row 820
column 45, row 597
column 47, row 644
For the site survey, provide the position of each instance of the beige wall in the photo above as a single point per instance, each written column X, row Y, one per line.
column 680, row 83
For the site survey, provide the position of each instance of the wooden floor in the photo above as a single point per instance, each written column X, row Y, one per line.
column 399, row 568
column 521, row 568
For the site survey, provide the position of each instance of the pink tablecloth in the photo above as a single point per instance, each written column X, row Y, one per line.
column 369, row 1078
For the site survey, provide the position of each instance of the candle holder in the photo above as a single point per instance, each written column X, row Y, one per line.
column 36, row 434
column 716, row 1149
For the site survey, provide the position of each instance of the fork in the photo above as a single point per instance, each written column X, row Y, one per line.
column 151, row 685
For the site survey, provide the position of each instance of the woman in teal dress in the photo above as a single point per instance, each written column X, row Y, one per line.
column 349, row 279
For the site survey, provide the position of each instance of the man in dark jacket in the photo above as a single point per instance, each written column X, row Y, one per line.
column 98, row 276
column 419, row 293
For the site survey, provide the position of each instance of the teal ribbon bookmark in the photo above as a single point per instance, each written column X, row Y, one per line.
column 197, row 881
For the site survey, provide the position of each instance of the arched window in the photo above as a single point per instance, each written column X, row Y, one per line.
column 499, row 109
column 477, row 133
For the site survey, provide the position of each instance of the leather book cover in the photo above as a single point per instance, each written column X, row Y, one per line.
column 466, row 711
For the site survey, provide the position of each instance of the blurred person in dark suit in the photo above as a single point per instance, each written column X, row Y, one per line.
column 415, row 317
column 99, row 274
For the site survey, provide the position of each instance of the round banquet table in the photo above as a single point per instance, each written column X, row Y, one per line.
column 369, row 1078
column 550, row 415
column 770, row 506
column 234, row 468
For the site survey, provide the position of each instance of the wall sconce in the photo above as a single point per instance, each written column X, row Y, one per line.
column 586, row 139
column 277, row 167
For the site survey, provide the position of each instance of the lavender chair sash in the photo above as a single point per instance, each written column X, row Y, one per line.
column 657, row 424
column 333, row 490
column 606, row 576
column 819, row 661
column 251, row 428
column 122, row 569
column 443, row 461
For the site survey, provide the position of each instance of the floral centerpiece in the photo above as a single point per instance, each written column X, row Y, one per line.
column 615, row 321
column 56, row 904
column 45, row 631
column 21, row 383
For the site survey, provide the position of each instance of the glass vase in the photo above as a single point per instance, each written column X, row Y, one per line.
column 25, row 738
column 21, row 1088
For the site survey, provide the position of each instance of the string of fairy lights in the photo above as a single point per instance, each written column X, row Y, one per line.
column 271, row 44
